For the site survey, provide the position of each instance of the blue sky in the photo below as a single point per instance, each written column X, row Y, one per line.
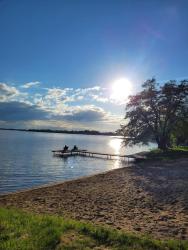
column 59, row 59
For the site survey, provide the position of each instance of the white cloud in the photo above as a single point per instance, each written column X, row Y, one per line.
column 7, row 92
column 99, row 98
column 87, row 91
column 30, row 84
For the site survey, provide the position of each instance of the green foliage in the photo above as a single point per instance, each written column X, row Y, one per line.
column 25, row 231
column 180, row 133
column 156, row 114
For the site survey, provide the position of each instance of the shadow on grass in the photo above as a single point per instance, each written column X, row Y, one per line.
column 20, row 230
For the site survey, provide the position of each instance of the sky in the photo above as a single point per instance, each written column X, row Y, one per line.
column 60, row 61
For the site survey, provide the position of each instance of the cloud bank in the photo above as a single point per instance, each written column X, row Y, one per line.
column 55, row 107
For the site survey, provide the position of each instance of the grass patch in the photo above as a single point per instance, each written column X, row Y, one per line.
column 170, row 154
column 21, row 230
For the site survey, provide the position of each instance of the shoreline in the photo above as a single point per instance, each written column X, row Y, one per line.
column 73, row 132
column 53, row 184
column 147, row 198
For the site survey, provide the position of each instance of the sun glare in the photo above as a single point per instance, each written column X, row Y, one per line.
column 121, row 89
column 115, row 144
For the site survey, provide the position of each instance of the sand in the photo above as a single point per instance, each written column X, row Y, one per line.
column 146, row 198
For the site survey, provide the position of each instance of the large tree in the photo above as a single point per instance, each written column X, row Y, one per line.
column 155, row 112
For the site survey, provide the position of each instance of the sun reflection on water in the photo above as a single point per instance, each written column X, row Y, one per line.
column 115, row 145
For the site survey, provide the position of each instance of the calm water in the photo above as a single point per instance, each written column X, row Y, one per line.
column 26, row 159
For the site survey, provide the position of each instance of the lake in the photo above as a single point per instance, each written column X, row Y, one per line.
column 26, row 160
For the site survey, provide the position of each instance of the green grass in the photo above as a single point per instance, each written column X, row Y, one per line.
column 181, row 148
column 20, row 230
column 170, row 154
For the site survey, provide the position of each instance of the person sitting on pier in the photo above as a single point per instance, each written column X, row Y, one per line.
column 65, row 148
column 75, row 148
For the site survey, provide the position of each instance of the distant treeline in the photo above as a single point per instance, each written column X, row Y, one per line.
column 83, row 132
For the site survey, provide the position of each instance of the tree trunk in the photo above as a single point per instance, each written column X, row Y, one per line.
column 162, row 143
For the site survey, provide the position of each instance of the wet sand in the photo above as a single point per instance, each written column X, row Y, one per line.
column 146, row 198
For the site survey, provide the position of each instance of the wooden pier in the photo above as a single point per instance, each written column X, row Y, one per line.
column 86, row 153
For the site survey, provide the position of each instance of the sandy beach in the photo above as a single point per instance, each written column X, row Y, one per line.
column 146, row 198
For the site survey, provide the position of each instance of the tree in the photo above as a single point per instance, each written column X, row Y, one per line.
column 180, row 133
column 155, row 112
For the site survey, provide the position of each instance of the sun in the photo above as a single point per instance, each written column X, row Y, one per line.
column 121, row 89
